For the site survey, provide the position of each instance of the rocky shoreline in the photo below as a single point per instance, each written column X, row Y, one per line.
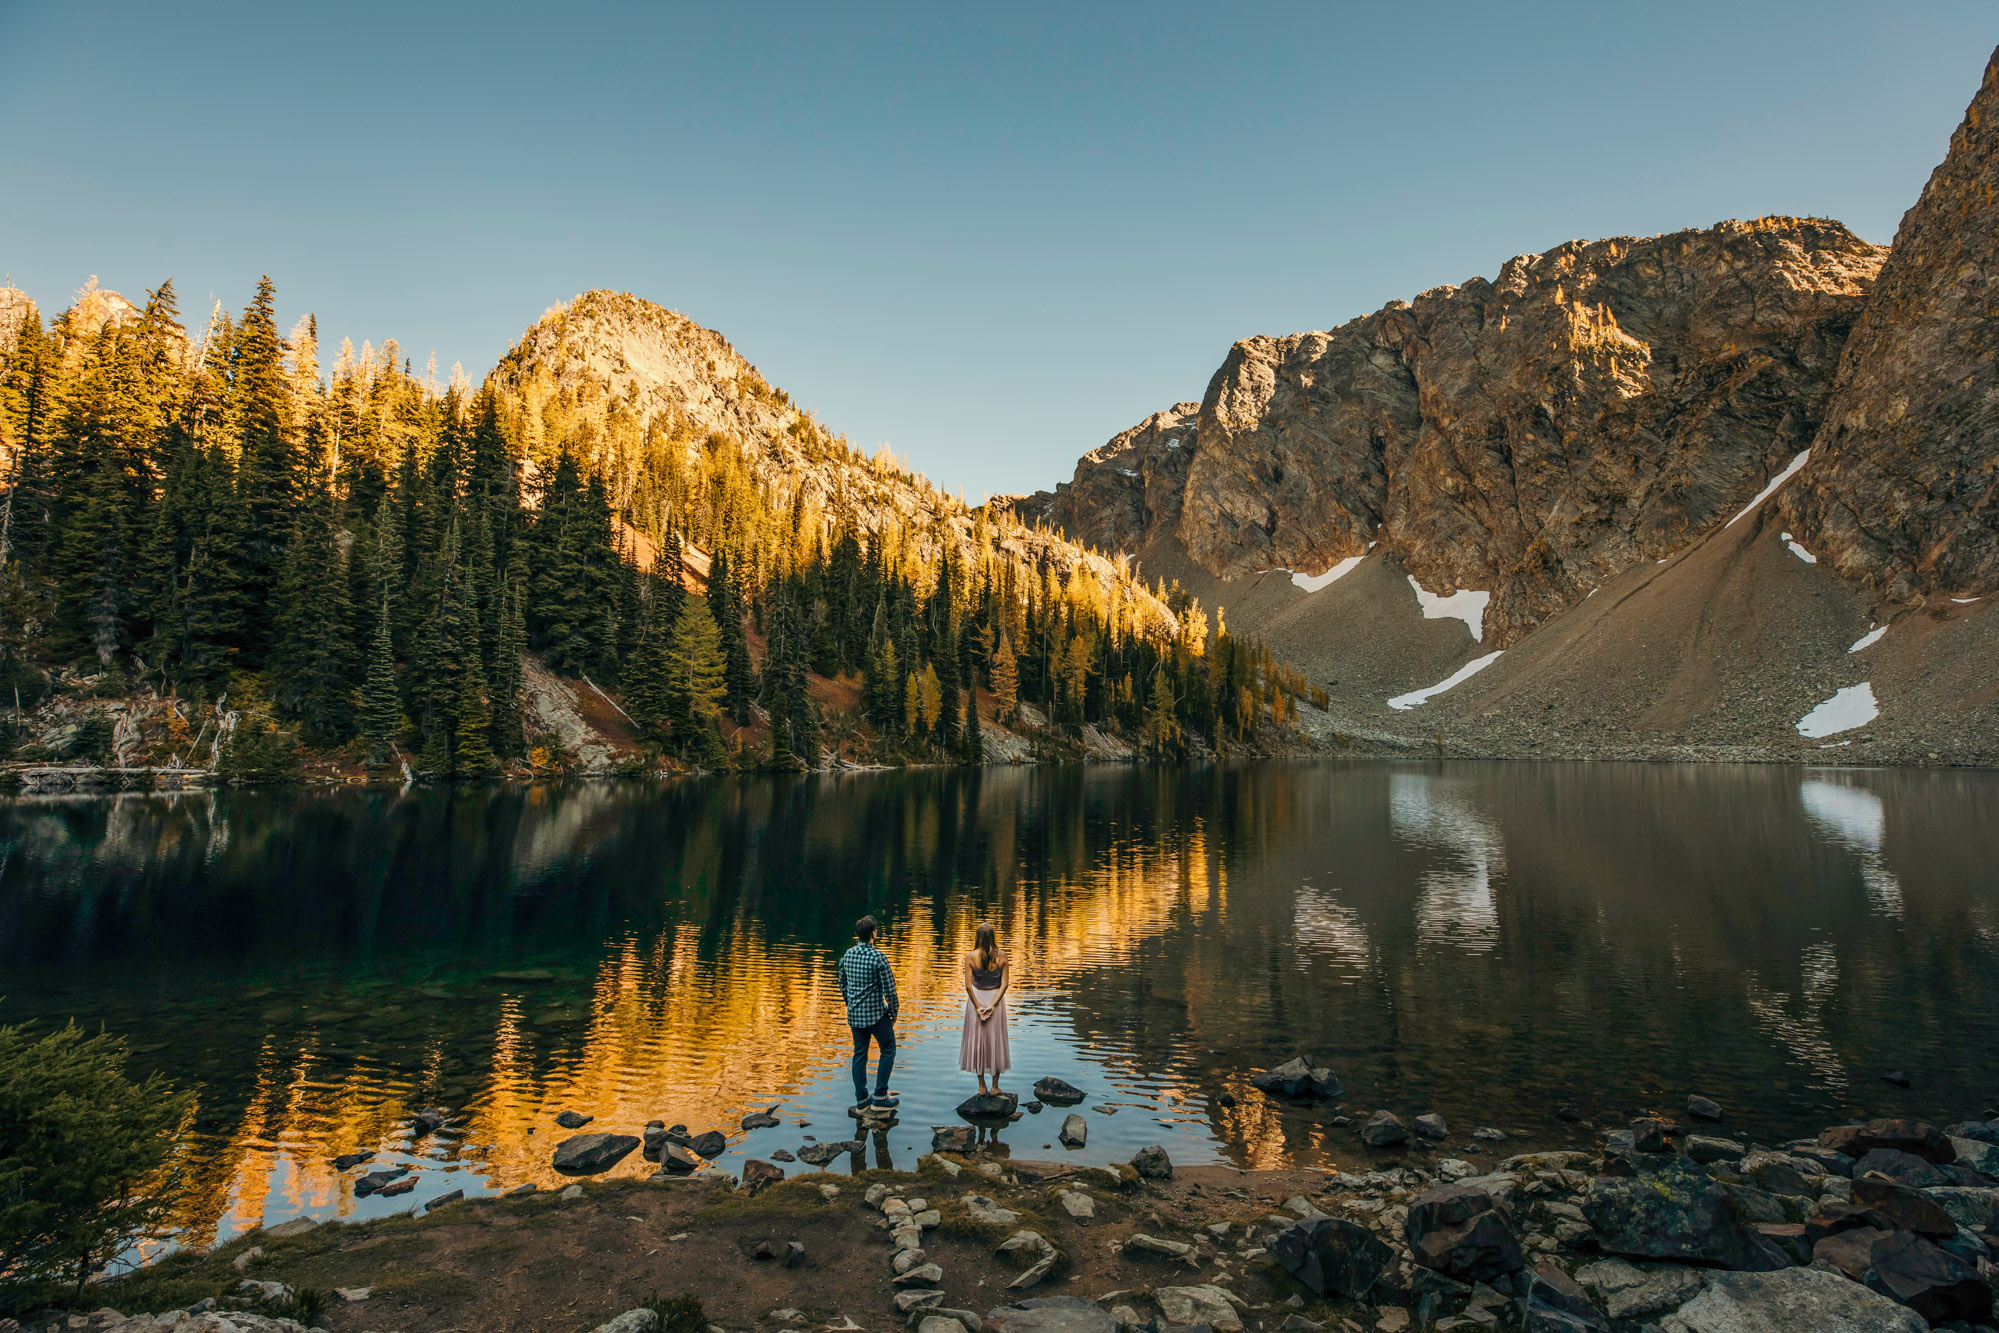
column 1670, row 1225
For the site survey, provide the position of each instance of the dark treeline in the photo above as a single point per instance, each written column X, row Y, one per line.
column 364, row 560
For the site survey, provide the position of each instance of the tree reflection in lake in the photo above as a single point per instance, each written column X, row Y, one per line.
column 1490, row 941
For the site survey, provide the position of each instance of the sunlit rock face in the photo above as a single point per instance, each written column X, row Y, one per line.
column 1600, row 404
column 1901, row 486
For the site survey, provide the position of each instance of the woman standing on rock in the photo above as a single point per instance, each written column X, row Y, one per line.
column 987, row 973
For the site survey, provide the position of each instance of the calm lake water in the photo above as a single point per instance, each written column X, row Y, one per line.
column 1491, row 941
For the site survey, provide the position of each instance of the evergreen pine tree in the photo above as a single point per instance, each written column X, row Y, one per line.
column 472, row 750
column 1006, row 680
column 725, row 605
column 509, row 740
column 696, row 684
column 381, row 706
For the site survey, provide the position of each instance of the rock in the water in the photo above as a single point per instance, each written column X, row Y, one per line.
column 1075, row 1133
column 1915, row 1137
column 455, row 1196
column 784, row 1155
column 1300, row 1079
column 1332, row 1256
column 588, row 1154
column 953, row 1138
column 1703, row 1108
column 573, row 1119
column 819, row 1154
column 1384, row 1129
column 1793, row 1300
column 403, row 1186
column 989, row 1106
column 675, row 1160
column 351, row 1159
column 376, row 1181
column 1555, row 1304
column 641, row 1320
column 1032, row 1108
column 1487, row 1134
column 1203, row 1304
column 1460, row 1230
column 1152, row 1163
column 1930, row 1280
column 427, row 1121
column 1055, row 1092
column 761, row 1119
column 1432, row 1126
column 709, row 1145
column 1906, row 1209
column 1674, row 1212
column 759, row 1174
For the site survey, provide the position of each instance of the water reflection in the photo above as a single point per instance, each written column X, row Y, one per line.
column 1490, row 941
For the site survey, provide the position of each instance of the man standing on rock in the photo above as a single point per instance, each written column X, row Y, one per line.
column 867, row 983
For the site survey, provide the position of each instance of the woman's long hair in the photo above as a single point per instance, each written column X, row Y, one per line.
column 982, row 940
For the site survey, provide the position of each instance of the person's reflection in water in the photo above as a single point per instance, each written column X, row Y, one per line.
column 882, row 1161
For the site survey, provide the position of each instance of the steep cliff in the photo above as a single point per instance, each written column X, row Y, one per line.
column 1904, row 474
column 1596, row 406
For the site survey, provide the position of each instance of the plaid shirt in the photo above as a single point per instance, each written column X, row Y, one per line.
column 868, row 985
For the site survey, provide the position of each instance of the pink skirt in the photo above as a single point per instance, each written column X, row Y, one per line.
column 983, row 1049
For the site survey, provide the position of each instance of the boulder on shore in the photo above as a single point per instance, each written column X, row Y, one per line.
column 1678, row 1212
column 1461, row 1231
column 1332, row 1256
column 757, row 1174
column 1152, row 1163
column 588, row 1154
column 1910, row 1136
column 1929, row 1279
column 1794, row 1300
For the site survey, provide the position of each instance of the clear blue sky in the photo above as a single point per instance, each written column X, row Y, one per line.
column 990, row 236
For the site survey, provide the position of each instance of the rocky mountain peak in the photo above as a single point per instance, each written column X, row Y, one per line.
column 1903, row 485
column 1598, row 404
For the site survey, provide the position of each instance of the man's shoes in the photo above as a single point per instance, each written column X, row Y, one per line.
column 863, row 1104
column 887, row 1100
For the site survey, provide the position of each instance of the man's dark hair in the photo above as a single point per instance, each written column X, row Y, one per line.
column 864, row 930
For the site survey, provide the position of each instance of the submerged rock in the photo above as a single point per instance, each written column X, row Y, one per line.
column 588, row 1154
column 1056, row 1092
column 1298, row 1078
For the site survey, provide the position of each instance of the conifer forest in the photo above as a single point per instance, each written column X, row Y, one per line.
column 361, row 564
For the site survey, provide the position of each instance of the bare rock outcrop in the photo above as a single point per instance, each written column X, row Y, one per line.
column 1904, row 476
column 1598, row 405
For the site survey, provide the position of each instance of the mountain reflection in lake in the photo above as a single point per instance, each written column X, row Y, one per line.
column 1491, row 941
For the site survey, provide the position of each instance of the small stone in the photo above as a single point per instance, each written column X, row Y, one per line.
column 1078, row 1205
column 905, row 1301
column 988, row 1212
column 927, row 1219
column 573, row 1192
column 573, row 1120
column 1487, row 1134
column 1384, row 1129
column 1704, row 1149
column 1703, row 1108
column 1205, row 1304
column 353, row 1293
column 761, row 1119
column 1152, row 1163
column 1896, row 1076
column 1432, row 1126
column 1393, row 1320
column 456, row 1196
column 351, row 1159
column 764, row 1252
column 1055, row 1092
column 794, row 1253
column 906, row 1259
column 1075, row 1132
column 953, row 1138
column 248, row 1257
column 783, row 1155
column 829, row 1192
column 527, row 1187
column 641, row 1320
column 1171, row 1249
column 923, row 1275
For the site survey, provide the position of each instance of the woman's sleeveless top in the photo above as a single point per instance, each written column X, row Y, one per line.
column 984, row 979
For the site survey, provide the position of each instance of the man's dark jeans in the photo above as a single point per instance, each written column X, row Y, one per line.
column 883, row 1032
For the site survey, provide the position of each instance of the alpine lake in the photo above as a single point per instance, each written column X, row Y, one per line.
column 1539, row 948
